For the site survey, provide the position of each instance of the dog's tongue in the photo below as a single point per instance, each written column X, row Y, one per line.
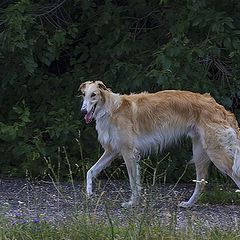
column 88, row 117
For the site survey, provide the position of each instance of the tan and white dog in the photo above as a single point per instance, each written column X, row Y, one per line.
column 136, row 124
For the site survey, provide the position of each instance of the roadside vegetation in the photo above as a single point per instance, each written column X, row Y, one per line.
column 101, row 218
column 87, row 227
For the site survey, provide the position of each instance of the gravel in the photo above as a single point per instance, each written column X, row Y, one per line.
column 24, row 201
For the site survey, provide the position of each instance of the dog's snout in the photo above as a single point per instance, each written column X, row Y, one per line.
column 83, row 110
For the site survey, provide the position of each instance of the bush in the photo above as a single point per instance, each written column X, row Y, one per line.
column 48, row 49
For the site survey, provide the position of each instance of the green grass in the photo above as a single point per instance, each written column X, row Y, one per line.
column 82, row 227
column 220, row 194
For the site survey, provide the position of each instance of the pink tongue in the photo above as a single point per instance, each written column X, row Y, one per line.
column 88, row 117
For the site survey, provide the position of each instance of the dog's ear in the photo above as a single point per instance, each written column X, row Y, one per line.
column 81, row 87
column 101, row 85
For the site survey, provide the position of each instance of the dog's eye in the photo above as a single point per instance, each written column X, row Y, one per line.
column 93, row 94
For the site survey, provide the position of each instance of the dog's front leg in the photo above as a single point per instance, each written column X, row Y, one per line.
column 104, row 161
column 132, row 160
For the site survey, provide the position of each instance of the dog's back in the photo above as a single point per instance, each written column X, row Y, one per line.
column 147, row 109
column 160, row 118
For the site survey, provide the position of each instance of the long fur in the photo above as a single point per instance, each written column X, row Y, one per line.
column 137, row 124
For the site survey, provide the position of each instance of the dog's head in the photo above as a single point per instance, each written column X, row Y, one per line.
column 92, row 92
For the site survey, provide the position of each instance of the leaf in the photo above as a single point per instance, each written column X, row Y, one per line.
column 166, row 62
column 196, row 21
column 173, row 51
column 227, row 43
column 236, row 43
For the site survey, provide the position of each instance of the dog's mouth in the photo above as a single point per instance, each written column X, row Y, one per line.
column 89, row 116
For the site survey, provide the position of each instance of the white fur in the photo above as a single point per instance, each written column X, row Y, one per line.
column 107, row 133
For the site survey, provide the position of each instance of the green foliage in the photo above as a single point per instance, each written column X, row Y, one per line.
column 222, row 195
column 48, row 49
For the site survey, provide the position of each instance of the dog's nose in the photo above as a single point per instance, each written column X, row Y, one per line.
column 83, row 110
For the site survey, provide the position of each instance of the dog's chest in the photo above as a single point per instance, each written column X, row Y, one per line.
column 107, row 134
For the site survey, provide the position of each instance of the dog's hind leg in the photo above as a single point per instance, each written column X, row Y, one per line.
column 223, row 150
column 224, row 163
column 132, row 159
column 201, row 161
column 104, row 161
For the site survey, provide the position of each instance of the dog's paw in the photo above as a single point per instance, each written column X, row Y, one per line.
column 89, row 193
column 184, row 204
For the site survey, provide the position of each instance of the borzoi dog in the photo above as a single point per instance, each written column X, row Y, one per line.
column 136, row 124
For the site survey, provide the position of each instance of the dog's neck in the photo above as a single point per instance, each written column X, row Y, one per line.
column 112, row 101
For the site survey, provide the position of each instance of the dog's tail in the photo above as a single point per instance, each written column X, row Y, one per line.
column 230, row 140
column 236, row 163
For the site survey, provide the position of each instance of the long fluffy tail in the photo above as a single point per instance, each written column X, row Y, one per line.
column 229, row 139
column 236, row 163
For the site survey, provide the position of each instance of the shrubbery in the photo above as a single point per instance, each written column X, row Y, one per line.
column 49, row 47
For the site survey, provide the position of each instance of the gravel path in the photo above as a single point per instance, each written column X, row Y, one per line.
column 23, row 201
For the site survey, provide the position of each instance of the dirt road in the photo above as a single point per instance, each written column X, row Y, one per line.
column 23, row 201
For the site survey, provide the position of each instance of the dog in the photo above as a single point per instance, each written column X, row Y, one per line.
column 137, row 124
